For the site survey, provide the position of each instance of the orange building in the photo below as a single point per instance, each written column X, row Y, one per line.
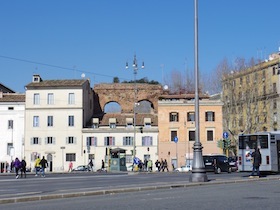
column 176, row 117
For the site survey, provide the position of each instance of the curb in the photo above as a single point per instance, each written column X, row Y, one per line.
column 126, row 190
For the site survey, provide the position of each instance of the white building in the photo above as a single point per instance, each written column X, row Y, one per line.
column 12, row 107
column 116, row 131
column 56, row 112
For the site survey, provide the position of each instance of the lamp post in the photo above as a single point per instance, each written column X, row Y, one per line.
column 135, row 69
column 198, row 168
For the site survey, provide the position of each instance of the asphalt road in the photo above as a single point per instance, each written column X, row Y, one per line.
column 244, row 195
column 55, row 186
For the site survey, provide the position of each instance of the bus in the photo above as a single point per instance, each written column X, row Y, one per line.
column 269, row 145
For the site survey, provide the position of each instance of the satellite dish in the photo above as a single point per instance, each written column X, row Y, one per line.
column 83, row 75
column 165, row 87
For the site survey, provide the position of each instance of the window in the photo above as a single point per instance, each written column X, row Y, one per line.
column 10, row 124
column 70, row 157
column 264, row 90
column 36, row 99
column 173, row 135
column 70, row 140
column 50, row 98
column 274, row 104
column 49, row 140
column 191, row 135
column 50, row 121
column 273, row 70
column 127, row 141
column 209, row 135
column 71, row 120
column 147, row 122
column 147, row 141
column 191, row 116
column 35, row 121
column 210, row 116
column 10, row 108
column 71, row 98
column 112, row 125
column 173, row 117
column 10, row 149
column 92, row 141
column 274, row 88
column 35, row 140
column 109, row 141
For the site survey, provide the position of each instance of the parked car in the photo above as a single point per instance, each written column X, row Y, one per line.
column 81, row 168
column 183, row 169
column 216, row 163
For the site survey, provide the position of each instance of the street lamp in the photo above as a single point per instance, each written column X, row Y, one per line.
column 135, row 69
column 198, row 167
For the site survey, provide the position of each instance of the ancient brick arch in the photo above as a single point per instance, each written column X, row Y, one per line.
column 123, row 94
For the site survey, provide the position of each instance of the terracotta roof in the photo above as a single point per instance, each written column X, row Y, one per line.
column 12, row 97
column 121, row 118
column 57, row 83
column 183, row 96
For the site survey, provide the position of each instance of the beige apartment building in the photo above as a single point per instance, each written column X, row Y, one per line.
column 55, row 113
column 176, row 116
column 251, row 98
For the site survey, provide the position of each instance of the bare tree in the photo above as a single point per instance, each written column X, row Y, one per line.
column 179, row 82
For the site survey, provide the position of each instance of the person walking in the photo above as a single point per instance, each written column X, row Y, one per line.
column 17, row 166
column 257, row 161
column 44, row 165
column 70, row 166
column 37, row 165
column 90, row 164
column 102, row 165
column 157, row 163
column 23, row 168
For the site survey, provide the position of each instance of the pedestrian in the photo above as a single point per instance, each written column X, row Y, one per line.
column 145, row 165
column 102, row 165
column 150, row 166
column 70, row 166
column 90, row 164
column 157, row 163
column 257, row 161
column 165, row 166
column 17, row 166
column 23, row 168
column 37, row 165
column 44, row 164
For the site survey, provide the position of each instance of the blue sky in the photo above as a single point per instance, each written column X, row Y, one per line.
column 98, row 37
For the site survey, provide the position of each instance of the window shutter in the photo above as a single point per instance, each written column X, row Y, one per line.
column 213, row 116
column 206, row 116
column 105, row 142
column 46, row 140
column 31, row 141
column 39, row 141
column 66, row 140
column 75, row 140
column 53, row 140
column 113, row 143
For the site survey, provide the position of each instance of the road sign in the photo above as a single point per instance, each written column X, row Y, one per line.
column 175, row 139
column 225, row 135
